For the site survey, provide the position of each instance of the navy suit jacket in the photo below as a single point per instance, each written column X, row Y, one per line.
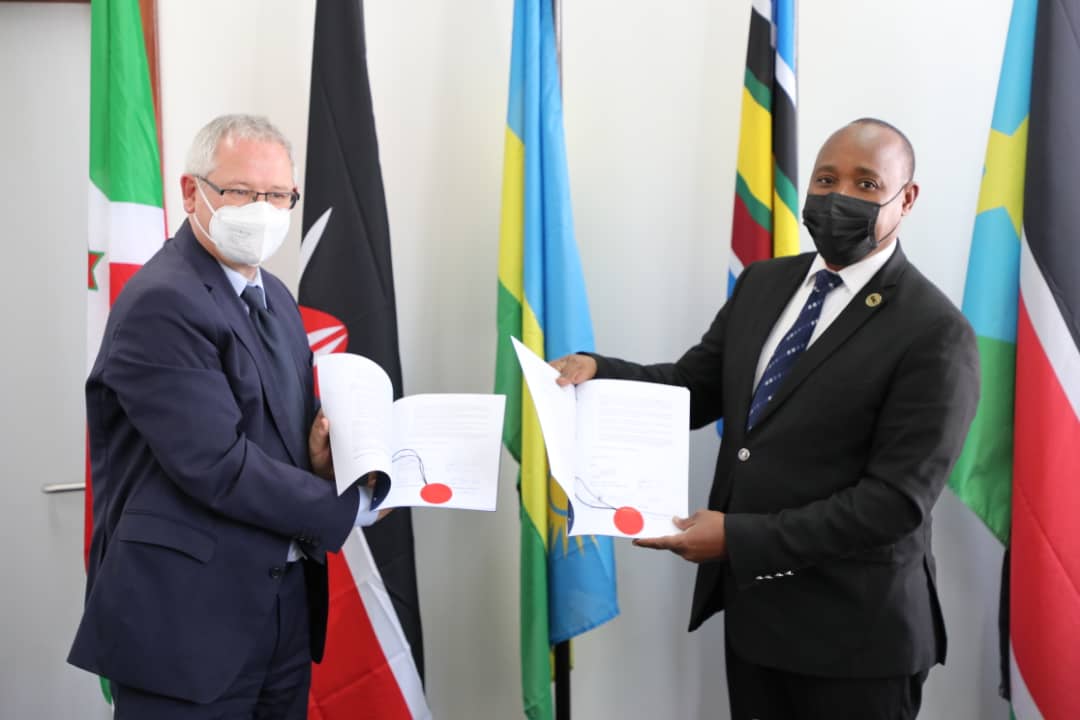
column 830, row 570
column 199, row 485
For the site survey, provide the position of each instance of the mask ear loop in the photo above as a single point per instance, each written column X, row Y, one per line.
column 896, row 194
column 213, row 211
column 903, row 187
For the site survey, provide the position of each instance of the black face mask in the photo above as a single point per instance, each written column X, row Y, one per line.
column 843, row 226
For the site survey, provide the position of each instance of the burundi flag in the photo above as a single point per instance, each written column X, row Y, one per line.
column 1020, row 471
column 764, row 223
column 567, row 584
column 374, row 659
column 126, row 220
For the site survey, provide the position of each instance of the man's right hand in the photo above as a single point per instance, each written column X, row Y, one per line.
column 322, row 464
column 574, row 369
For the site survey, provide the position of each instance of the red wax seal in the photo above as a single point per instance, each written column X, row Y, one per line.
column 628, row 520
column 436, row 493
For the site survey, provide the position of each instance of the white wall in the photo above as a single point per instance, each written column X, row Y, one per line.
column 44, row 146
column 651, row 95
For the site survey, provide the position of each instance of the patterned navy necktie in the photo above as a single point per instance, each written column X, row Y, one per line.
column 286, row 379
column 792, row 345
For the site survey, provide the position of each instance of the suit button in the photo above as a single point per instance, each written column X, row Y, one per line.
column 276, row 572
column 743, row 454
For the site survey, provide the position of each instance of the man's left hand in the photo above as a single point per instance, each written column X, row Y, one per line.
column 319, row 447
column 703, row 538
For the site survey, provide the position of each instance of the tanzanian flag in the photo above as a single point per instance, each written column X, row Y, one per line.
column 1020, row 470
column 764, row 223
column 567, row 584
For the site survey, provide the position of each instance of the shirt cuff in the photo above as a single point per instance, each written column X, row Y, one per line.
column 365, row 516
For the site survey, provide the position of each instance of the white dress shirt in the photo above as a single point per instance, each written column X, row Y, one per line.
column 853, row 277
column 365, row 516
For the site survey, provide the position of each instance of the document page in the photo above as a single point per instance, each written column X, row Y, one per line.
column 357, row 397
column 633, row 458
column 446, row 451
column 619, row 449
column 556, row 409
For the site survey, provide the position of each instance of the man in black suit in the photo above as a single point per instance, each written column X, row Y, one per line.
column 847, row 383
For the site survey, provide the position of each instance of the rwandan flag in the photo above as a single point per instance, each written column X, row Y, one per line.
column 764, row 223
column 567, row 584
column 1023, row 300
column 126, row 220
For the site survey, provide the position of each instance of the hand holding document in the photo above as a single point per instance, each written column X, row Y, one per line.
column 619, row 449
column 436, row 450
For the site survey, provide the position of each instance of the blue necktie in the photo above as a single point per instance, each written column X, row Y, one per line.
column 286, row 380
column 792, row 345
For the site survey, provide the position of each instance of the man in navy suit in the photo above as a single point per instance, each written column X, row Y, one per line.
column 213, row 501
column 847, row 383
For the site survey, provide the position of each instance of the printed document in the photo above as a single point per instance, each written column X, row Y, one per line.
column 619, row 449
column 437, row 450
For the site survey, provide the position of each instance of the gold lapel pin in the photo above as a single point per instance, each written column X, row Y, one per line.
column 873, row 300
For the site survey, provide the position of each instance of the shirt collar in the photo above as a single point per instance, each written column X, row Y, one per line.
column 239, row 282
column 854, row 277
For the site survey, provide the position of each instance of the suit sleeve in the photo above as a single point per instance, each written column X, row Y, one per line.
column 164, row 365
column 919, row 434
column 700, row 369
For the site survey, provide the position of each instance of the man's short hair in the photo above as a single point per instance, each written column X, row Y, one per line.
column 909, row 149
column 201, row 155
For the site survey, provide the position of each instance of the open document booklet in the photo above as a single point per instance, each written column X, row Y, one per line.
column 435, row 450
column 619, row 449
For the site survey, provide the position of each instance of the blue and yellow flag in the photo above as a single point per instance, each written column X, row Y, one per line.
column 567, row 584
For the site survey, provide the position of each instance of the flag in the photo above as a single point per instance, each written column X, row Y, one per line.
column 1020, row 471
column 982, row 478
column 126, row 223
column 126, row 220
column 374, row 647
column 764, row 221
column 1044, row 618
column 567, row 584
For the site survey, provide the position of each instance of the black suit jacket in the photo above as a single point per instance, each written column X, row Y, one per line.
column 200, row 482
column 828, row 499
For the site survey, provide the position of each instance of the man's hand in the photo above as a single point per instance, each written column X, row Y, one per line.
column 369, row 483
column 319, row 447
column 574, row 369
column 703, row 538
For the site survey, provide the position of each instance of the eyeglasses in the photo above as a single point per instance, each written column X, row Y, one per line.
column 239, row 196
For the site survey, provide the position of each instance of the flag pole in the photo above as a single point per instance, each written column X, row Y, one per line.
column 556, row 15
column 562, row 650
column 562, row 680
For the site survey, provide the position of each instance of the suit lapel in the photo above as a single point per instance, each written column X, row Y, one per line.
column 859, row 310
column 213, row 277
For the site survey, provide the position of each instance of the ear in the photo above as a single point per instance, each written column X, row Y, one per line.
column 910, row 194
column 187, row 188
